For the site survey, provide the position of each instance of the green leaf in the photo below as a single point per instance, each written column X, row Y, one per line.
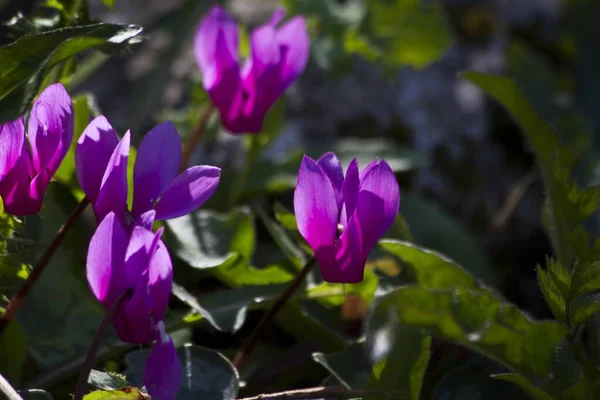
column 61, row 296
column 350, row 367
column 431, row 269
column 552, row 294
column 567, row 205
column 35, row 394
column 585, row 278
column 207, row 374
column 334, row 294
column 435, row 229
column 109, row 3
column 415, row 33
column 583, row 307
column 13, row 352
column 484, row 323
column 29, row 55
column 107, row 380
column 533, row 391
column 473, row 383
column 206, row 239
column 402, row 371
column 291, row 249
column 129, row 393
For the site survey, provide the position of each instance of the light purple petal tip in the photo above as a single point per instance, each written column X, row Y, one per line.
column 113, row 189
column 216, row 45
column 50, row 128
column 330, row 164
column 160, row 280
column 293, row 38
column 378, row 203
column 350, row 191
column 188, row 191
column 156, row 165
column 314, row 205
column 163, row 371
column 12, row 145
column 93, row 152
column 105, row 260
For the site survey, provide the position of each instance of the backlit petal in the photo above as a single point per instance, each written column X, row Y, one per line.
column 314, row 205
column 158, row 160
column 294, row 43
column 188, row 191
column 12, row 145
column 350, row 191
column 105, row 260
column 50, row 128
column 330, row 164
column 93, row 152
column 113, row 189
column 160, row 280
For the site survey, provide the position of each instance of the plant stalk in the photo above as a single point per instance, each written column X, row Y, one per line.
column 91, row 355
column 18, row 299
column 245, row 351
column 196, row 136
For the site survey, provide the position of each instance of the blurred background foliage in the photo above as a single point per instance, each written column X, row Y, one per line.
column 383, row 81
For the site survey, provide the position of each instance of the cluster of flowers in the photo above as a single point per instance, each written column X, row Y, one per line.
column 340, row 217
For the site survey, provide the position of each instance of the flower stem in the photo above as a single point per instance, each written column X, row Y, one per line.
column 16, row 302
column 243, row 353
column 8, row 390
column 196, row 136
column 330, row 392
column 251, row 157
column 91, row 355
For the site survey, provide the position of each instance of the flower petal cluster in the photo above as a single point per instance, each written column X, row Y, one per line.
column 159, row 192
column 342, row 217
column 26, row 170
column 243, row 95
column 137, row 264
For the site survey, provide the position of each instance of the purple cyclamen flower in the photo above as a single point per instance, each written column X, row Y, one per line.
column 25, row 171
column 159, row 193
column 342, row 218
column 278, row 55
column 137, row 263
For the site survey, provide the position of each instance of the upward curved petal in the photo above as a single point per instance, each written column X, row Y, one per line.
column 14, row 189
column 156, row 165
column 294, row 43
column 50, row 128
column 378, row 203
column 105, row 260
column 188, row 191
column 330, row 164
column 137, row 257
column 92, row 154
column 216, row 46
column 163, row 371
column 315, row 205
column 113, row 189
column 12, row 146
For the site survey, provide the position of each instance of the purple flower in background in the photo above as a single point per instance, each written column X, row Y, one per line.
column 138, row 264
column 278, row 55
column 342, row 218
column 25, row 171
column 159, row 193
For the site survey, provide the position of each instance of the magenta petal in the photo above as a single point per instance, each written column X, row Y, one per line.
column 330, row 164
column 294, row 42
column 135, row 324
column 105, row 260
column 314, row 205
column 137, row 257
column 93, row 152
column 264, row 48
column 188, row 191
column 350, row 191
column 113, row 189
column 146, row 220
column 350, row 258
column 14, row 189
column 160, row 280
column 378, row 203
column 216, row 46
column 12, row 146
column 156, row 165
column 163, row 372
column 50, row 128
